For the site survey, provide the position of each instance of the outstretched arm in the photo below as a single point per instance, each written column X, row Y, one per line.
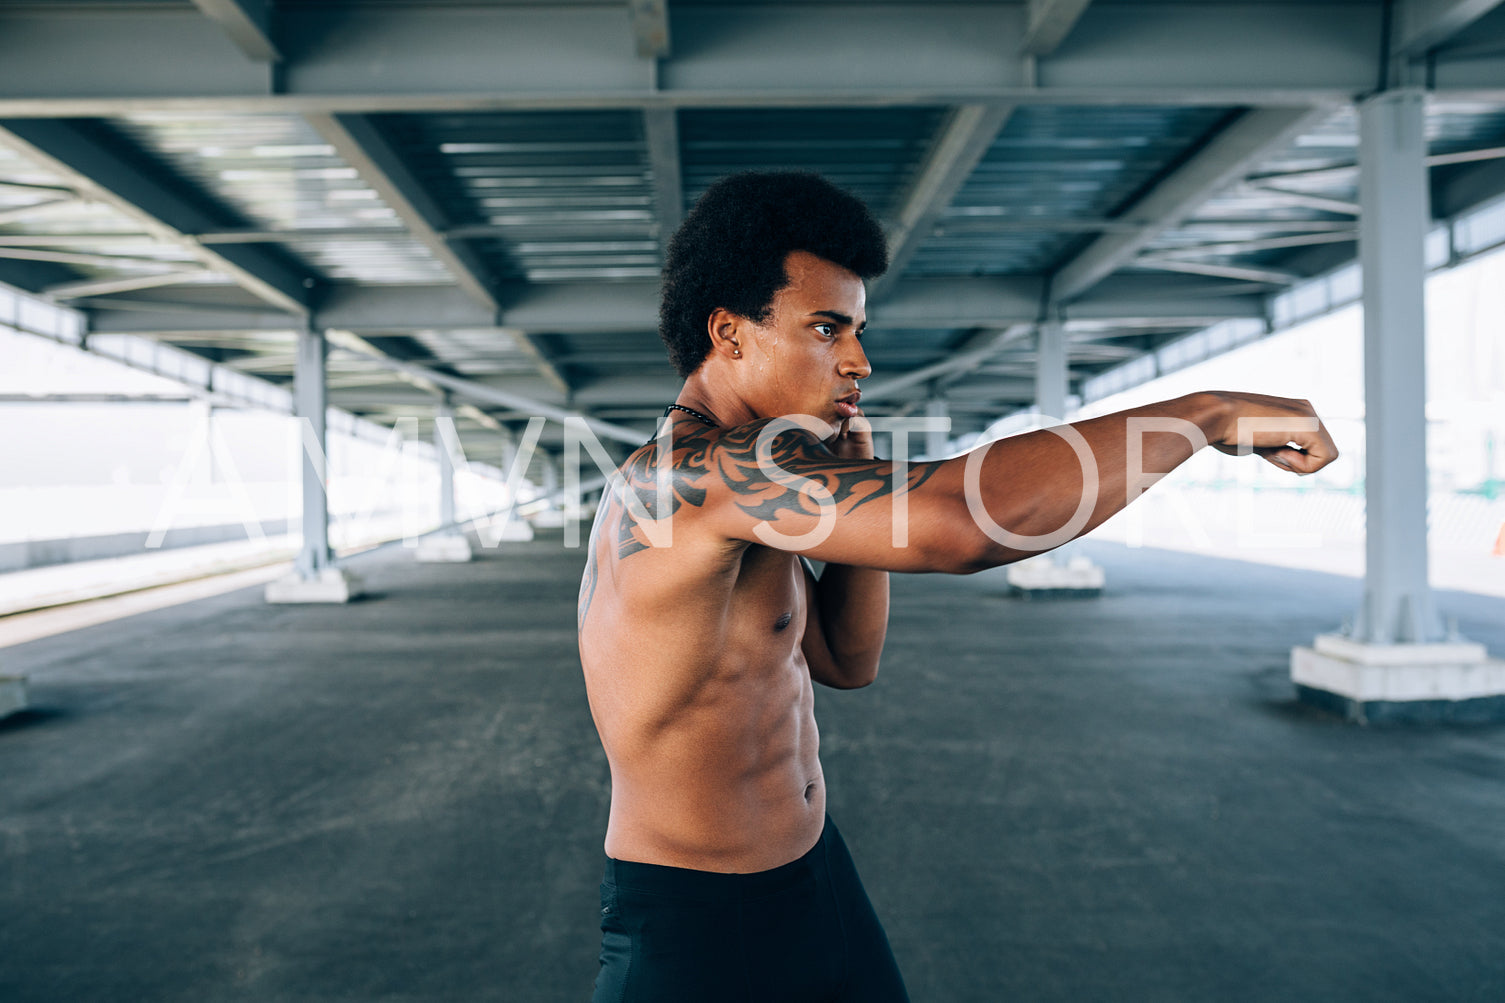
column 1129, row 451
column 774, row 483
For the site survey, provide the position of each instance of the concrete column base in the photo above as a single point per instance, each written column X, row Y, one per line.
column 444, row 549
column 1373, row 683
column 1042, row 578
column 331, row 586
column 12, row 694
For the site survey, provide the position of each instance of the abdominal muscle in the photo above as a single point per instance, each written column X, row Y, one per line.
column 732, row 782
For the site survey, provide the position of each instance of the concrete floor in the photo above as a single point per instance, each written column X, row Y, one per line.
column 403, row 799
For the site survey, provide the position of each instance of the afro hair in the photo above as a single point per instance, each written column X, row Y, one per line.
column 729, row 252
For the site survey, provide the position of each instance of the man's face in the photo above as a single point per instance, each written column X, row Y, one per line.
column 807, row 357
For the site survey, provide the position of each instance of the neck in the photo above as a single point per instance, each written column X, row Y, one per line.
column 709, row 395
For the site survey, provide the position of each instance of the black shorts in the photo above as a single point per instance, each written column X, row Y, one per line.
column 804, row 931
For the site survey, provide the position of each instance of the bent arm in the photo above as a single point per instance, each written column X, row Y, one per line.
column 846, row 620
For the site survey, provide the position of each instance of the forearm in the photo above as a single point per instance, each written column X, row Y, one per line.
column 1034, row 485
column 854, row 618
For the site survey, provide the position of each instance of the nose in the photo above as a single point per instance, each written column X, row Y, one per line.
column 854, row 364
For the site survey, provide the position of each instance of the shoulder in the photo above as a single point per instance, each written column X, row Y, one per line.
column 712, row 475
column 772, row 444
column 703, row 458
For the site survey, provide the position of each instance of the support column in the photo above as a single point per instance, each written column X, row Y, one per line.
column 937, row 440
column 1051, row 374
column 449, row 544
column 1396, row 662
column 311, row 403
column 315, row 579
column 517, row 528
column 1064, row 572
column 1394, row 213
column 553, row 516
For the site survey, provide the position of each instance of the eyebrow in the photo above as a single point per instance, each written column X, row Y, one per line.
column 840, row 318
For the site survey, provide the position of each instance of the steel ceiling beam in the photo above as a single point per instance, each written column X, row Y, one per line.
column 247, row 22
column 1268, row 276
column 960, row 144
column 632, row 307
column 98, row 398
column 127, row 283
column 1154, row 299
column 1304, row 199
column 10, row 184
column 97, row 170
column 1226, row 247
column 1350, row 172
column 16, row 212
column 1224, row 160
column 661, row 129
column 476, row 231
column 484, row 393
column 1467, row 188
column 1050, row 21
column 426, row 57
column 964, row 361
column 86, row 240
column 985, row 388
column 360, row 144
column 1425, row 25
column 84, row 258
column 252, row 235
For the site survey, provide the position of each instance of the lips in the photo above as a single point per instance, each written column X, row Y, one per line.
column 847, row 406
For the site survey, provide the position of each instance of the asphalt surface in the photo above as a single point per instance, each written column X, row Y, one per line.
column 403, row 799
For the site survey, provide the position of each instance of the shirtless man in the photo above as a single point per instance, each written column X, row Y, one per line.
column 725, row 879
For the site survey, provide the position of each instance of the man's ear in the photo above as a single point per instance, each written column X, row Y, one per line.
column 725, row 330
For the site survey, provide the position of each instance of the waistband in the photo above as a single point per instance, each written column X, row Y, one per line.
column 685, row 882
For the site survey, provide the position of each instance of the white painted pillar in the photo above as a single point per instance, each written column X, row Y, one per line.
column 516, row 528
column 315, row 579
column 553, row 517
column 444, row 412
column 310, row 403
column 203, row 417
column 509, row 453
column 1396, row 663
column 937, row 440
column 1064, row 571
column 449, row 545
column 1394, row 214
column 1051, row 375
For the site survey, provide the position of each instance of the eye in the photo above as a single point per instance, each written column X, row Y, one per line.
column 826, row 330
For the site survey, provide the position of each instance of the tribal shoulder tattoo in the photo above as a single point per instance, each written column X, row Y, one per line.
column 772, row 467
